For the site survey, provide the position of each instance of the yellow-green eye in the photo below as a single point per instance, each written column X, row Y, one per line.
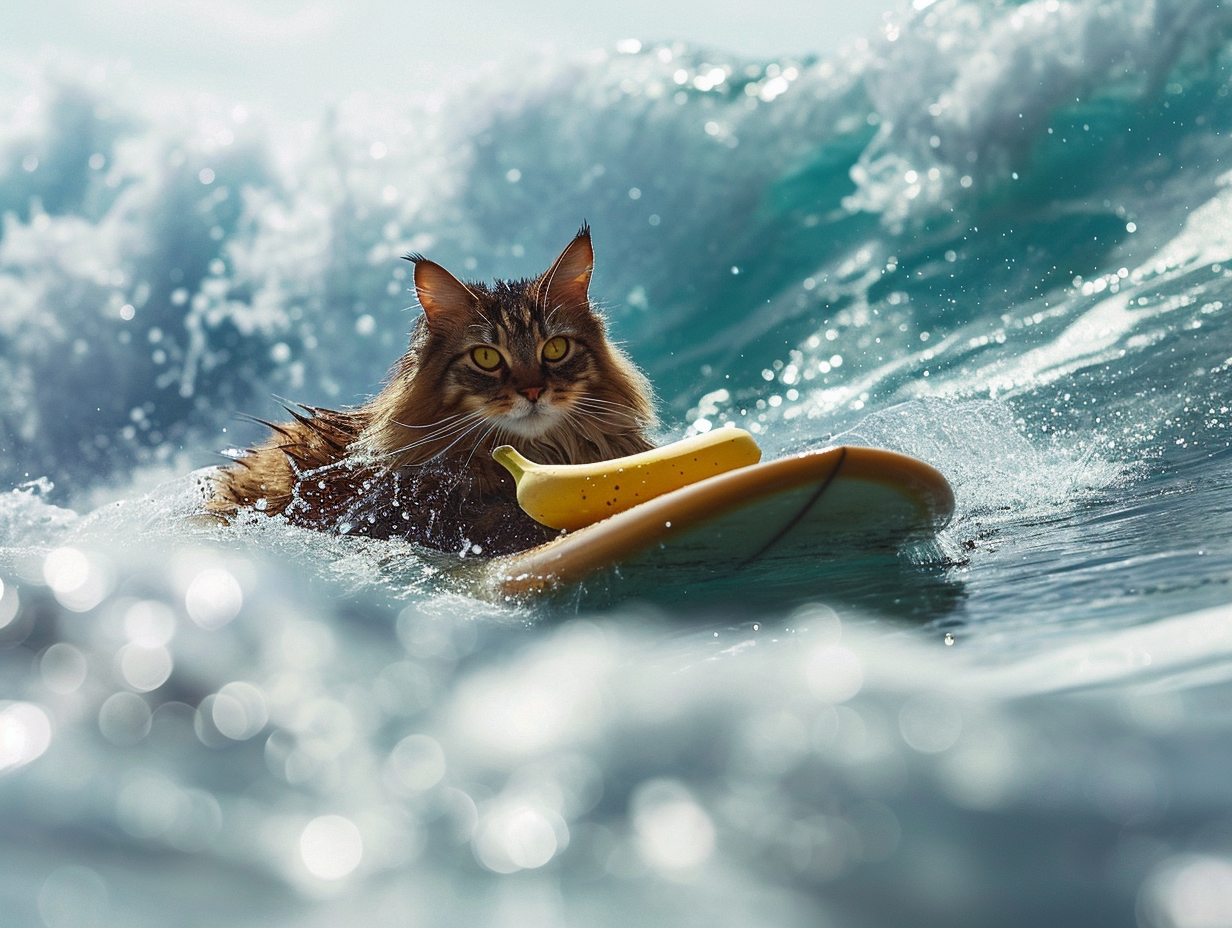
column 556, row 348
column 486, row 357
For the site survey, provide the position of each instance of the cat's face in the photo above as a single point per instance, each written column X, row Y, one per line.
column 527, row 370
column 529, row 359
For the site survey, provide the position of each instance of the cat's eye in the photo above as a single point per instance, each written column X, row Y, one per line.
column 486, row 357
column 556, row 348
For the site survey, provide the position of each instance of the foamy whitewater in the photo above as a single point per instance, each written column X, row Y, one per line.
column 995, row 236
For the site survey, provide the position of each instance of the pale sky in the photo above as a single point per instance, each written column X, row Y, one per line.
column 295, row 54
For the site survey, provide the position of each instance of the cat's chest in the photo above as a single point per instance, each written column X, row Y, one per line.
column 473, row 510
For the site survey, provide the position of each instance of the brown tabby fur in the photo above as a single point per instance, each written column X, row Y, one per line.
column 416, row 461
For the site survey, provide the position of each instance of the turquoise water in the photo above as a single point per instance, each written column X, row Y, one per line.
column 997, row 237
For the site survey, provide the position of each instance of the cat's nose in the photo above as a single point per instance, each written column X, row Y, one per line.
column 531, row 393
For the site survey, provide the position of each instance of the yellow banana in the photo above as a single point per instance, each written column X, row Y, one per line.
column 570, row 496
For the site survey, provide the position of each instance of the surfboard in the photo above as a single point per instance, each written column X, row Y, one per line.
column 773, row 526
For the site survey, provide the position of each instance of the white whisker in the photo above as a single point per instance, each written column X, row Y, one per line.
column 440, row 434
column 477, row 425
column 603, row 417
column 495, row 426
column 407, row 425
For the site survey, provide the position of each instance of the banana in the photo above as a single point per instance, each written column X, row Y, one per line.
column 571, row 496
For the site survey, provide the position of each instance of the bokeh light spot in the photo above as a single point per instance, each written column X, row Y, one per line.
column 63, row 668
column 150, row 623
column 834, row 674
column 25, row 733
column 213, row 598
column 519, row 837
column 673, row 831
column 239, row 711
column 10, row 604
column 124, row 718
column 73, row 897
column 929, row 723
column 77, row 583
column 418, row 762
column 144, row 668
column 331, row 847
column 1188, row 891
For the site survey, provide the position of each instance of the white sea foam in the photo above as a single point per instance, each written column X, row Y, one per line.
column 964, row 89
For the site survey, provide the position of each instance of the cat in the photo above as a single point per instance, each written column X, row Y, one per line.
column 526, row 363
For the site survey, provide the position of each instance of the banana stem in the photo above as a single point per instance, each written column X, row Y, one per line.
column 508, row 457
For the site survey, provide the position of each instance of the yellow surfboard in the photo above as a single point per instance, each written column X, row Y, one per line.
column 771, row 526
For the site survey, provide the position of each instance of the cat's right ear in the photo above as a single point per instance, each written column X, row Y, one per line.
column 446, row 301
column 566, row 282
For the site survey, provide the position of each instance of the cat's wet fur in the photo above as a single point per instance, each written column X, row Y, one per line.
column 416, row 461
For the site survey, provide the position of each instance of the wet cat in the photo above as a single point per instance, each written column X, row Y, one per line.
column 526, row 363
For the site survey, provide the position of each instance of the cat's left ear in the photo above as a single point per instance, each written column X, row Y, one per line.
column 567, row 281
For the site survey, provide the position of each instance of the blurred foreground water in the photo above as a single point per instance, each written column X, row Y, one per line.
column 996, row 238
